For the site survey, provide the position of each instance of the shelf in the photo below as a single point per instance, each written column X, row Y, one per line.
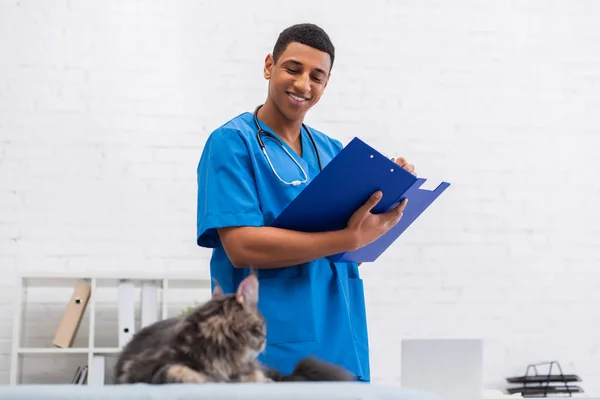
column 40, row 302
column 48, row 282
column 46, row 279
column 70, row 350
column 197, row 283
column 52, row 350
column 106, row 350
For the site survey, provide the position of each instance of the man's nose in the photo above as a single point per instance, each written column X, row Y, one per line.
column 302, row 83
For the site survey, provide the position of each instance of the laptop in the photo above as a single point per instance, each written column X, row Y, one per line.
column 452, row 369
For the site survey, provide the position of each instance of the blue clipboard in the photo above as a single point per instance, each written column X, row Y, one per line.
column 345, row 184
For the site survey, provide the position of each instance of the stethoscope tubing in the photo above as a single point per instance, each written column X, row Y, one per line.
column 260, row 131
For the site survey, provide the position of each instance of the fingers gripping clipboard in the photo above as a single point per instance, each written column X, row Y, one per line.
column 344, row 185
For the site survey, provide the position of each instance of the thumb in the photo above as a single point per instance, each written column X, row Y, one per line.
column 399, row 210
column 373, row 200
column 403, row 203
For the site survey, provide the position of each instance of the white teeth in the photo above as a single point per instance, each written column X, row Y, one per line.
column 296, row 97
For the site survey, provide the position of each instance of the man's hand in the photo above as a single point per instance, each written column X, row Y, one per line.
column 401, row 161
column 366, row 227
column 266, row 247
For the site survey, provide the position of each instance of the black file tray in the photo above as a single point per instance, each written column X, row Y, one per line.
column 541, row 385
column 544, row 379
column 543, row 391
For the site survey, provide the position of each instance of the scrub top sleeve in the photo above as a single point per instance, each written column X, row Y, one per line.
column 227, row 194
column 338, row 145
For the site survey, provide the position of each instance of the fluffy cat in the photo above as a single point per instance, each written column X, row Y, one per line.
column 218, row 341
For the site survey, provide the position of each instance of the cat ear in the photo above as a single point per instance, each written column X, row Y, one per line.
column 247, row 293
column 217, row 291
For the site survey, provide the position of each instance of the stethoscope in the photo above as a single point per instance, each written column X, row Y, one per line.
column 260, row 131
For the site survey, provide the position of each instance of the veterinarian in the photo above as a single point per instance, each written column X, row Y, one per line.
column 251, row 168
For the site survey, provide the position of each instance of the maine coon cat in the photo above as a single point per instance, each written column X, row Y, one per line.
column 218, row 341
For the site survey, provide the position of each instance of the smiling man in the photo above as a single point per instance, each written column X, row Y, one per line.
column 251, row 168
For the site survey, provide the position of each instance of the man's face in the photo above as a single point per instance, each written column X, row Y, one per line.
column 298, row 79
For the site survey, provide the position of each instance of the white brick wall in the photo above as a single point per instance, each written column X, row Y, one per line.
column 105, row 106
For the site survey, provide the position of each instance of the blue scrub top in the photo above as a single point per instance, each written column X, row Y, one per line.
column 316, row 308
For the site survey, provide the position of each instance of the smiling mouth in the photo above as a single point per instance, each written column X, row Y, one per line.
column 296, row 97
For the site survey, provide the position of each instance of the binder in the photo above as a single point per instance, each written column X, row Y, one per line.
column 126, row 312
column 83, row 377
column 71, row 319
column 76, row 376
column 149, row 303
column 96, row 378
column 80, row 377
column 345, row 184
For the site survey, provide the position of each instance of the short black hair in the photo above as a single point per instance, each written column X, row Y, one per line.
column 308, row 34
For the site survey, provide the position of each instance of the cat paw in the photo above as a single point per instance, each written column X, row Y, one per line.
column 256, row 377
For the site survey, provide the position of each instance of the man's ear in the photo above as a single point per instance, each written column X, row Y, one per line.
column 268, row 66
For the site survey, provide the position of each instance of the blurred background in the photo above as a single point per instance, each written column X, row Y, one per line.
column 105, row 107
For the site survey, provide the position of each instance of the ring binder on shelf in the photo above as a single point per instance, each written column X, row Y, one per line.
column 149, row 303
column 71, row 319
column 98, row 370
column 126, row 312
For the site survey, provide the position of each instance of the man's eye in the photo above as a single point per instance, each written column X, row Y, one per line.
column 292, row 71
